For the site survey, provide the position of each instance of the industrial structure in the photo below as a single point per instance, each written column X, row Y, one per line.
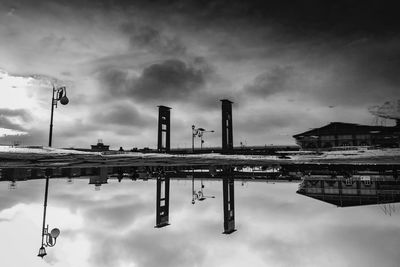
column 164, row 129
column 227, row 130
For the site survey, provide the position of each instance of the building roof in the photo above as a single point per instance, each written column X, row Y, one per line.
column 347, row 128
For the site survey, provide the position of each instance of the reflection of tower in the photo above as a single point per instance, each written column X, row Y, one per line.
column 229, row 201
column 163, row 144
column 227, row 133
column 162, row 201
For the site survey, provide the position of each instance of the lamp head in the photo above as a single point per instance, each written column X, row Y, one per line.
column 42, row 252
column 55, row 232
column 64, row 100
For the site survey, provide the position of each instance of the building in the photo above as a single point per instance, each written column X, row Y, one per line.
column 99, row 147
column 338, row 134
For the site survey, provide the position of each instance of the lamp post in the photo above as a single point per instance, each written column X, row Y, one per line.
column 48, row 239
column 58, row 94
column 198, row 132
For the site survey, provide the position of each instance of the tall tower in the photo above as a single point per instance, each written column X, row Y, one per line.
column 164, row 123
column 227, row 132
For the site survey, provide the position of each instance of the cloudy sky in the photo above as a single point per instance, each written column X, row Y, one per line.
column 115, row 227
column 287, row 66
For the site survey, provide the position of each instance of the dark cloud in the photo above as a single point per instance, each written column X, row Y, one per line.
column 170, row 80
column 152, row 40
column 301, row 18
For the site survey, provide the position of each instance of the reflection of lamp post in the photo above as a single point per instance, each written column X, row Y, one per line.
column 199, row 195
column 199, row 132
column 48, row 239
column 58, row 94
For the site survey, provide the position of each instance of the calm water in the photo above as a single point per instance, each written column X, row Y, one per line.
column 114, row 226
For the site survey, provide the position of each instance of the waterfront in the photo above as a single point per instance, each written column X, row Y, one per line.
column 114, row 226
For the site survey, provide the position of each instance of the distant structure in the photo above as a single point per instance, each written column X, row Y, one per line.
column 340, row 134
column 164, row 131
column 99, row 147
column 227, row 132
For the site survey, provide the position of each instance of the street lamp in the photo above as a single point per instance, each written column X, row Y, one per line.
column 48, row 239
column 58, row 94
column 199, row 132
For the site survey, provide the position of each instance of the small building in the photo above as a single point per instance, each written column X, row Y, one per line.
column 99, row 147
column 337, row 134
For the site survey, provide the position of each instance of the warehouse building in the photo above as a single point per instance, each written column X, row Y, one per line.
column 340, row 134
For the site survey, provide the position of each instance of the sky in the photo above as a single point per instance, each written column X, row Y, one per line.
column 115, row 227
column 288, row 66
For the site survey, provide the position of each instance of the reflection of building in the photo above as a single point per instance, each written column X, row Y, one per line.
column 349, row 134
column 100, row 146
column 352, row 191
column 101, row 178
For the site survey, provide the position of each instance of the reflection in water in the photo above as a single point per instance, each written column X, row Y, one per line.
column 228, row 186
column 352, row 190
column 48, row 239
column 99, row 177
column 351, row 187
column 162, row 199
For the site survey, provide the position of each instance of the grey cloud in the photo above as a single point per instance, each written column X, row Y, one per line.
column 21, row 113
column 152, row 40
column 122, row 114
column 136, row 245
column 7, row 124
column 52, row 42
column 271, row 82
column 6, row 116
column 122, row 214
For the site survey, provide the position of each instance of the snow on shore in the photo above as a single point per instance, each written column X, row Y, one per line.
column 42, row 150
column 294, row 155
